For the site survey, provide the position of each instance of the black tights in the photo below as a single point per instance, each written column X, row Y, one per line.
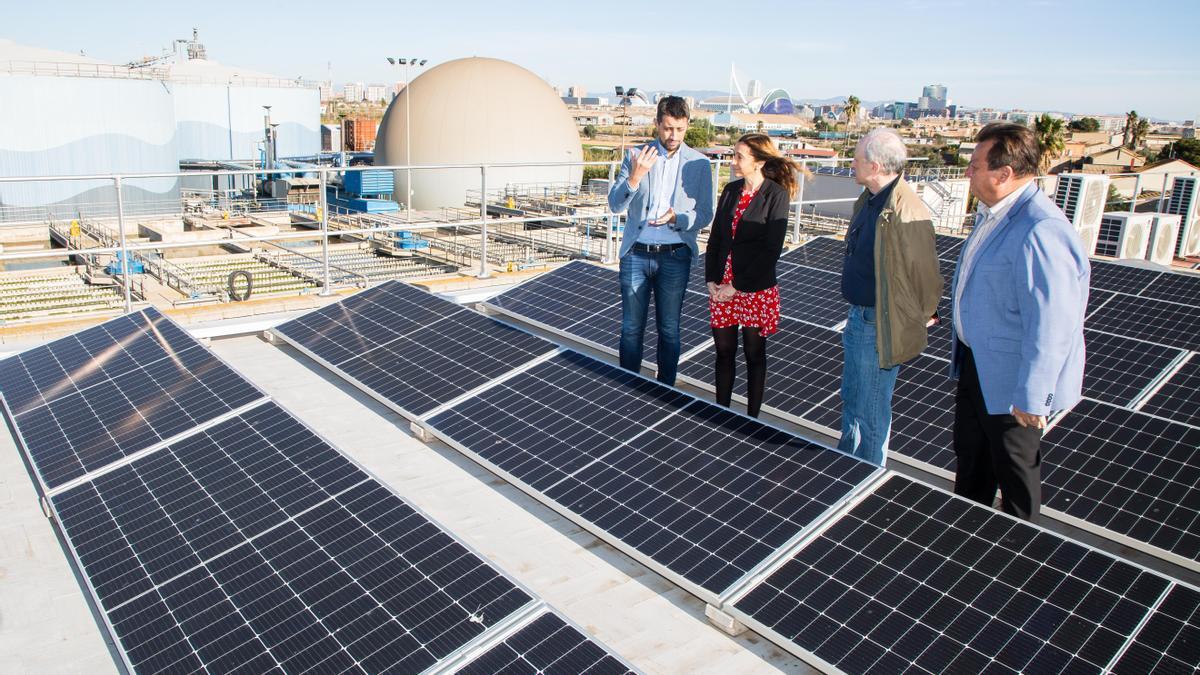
column 755, row 347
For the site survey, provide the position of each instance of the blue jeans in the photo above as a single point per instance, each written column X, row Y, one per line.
column 666, row 276
column 866, row 390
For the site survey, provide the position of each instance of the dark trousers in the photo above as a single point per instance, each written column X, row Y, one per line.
column 994, row 450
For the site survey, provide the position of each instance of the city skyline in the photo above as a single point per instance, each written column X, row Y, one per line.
column 1062, row 56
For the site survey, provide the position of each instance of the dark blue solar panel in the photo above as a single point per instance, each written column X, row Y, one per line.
column 1170, row 640
column 1126, row 472
column 913, row 577
column 948, row 247
column 1120, row 278
column 147, row 381
column 813, row 296
column 823, row 253
column 1181, row 288
column 566, row 297
column 704, row 492
column 1164, row 323
column 804, row 368
column 255, row 545
column 547, row 645
column 411, row 348
column 1118, row 369
column 1179, row 397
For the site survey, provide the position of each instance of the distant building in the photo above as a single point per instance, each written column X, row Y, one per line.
column 754, row 89
column 353, row 92
column 576, row 91
column 375, row 93
column 331, row 138
column 358, row 133
column 589, row 101
column 933, row 99
column 988, row 115
column 325, row 90
column 1021, row 117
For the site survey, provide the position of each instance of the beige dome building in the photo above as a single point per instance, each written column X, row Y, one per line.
column 472, row 111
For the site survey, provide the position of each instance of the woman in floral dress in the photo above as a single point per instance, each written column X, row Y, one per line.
column 745, row 242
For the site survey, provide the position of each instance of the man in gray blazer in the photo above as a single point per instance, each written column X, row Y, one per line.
column 666, row 188
column 1020, row 294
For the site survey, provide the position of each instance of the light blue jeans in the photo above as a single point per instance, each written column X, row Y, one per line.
column 866, row 390
column 665, row 275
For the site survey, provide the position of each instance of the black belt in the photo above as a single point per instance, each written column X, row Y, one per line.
column 656, row 248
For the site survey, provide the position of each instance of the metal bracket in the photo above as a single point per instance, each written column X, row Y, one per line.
column 721, row 620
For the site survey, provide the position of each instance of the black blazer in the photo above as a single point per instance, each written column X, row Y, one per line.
column 759, row 239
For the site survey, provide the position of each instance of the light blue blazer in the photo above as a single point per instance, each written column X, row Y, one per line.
column 693, row 201
column 1022, row 309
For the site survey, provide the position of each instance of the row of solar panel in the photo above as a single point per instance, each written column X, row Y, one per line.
column 1141, row 482
column 822, row 553
column 216, row 532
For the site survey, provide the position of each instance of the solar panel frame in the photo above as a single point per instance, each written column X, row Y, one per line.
column 358, row 487
column 1169, row 642
column 875, row 597
column 1178, row 397
column 481, row 340
column 545, row 641
column 501, row 460
column 127, row 412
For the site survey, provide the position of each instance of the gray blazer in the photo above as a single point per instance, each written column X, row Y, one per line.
column 693, row 202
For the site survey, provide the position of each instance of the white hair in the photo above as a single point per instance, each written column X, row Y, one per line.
column 884, row 146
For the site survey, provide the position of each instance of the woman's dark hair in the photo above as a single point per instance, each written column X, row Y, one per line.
column 775, row 166
column 1014, row 145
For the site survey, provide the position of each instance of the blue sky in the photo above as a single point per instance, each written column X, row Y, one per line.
column 1101, row 56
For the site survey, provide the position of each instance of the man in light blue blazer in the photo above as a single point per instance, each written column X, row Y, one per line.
column 1020, row 294
column 666, row 189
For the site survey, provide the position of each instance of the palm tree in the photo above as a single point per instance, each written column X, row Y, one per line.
column 1131, row 120
column 1137, row 137
column 1050, row 139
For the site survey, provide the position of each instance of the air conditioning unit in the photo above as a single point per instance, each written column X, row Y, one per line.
column 1124, row 235
column 1081, row 197
column 1183, row 204
column 1164, row 236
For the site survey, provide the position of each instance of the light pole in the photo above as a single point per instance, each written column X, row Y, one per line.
column 408, row 127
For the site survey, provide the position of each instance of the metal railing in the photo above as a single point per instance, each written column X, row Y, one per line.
column 487, row 226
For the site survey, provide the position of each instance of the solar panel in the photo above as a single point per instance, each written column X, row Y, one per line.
column 940, row 335
column 546, row 645
column 566, row 297
column 813, row 296
column 1164, row 323
column 922, row 415
column 1179, row 397
column 948, row 247
column 1097, row 299
column 804, row 367
column 1181, row 288
column 1119, row 369
column 416, row 350
column 699, row 492
column 1121, row 278
column 946, row 269
column 1170, row 640
column 255, row 545
column 823, row 253
column 1127, row 472
column 85, row 401
column 913, row 577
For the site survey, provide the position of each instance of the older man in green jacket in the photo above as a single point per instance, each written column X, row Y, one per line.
column 891, row 279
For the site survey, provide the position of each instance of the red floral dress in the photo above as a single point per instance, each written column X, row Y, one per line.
column 759, row 309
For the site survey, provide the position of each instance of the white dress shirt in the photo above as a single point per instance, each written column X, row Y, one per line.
column 986, row 220
column 666, row 179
